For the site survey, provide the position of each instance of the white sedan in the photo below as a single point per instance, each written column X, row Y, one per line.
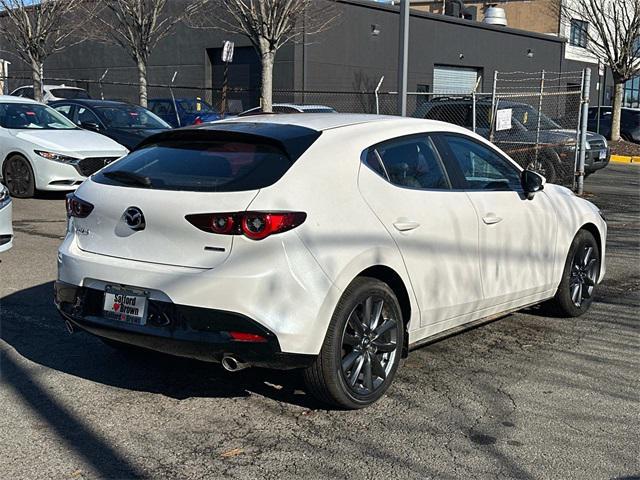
column 40, row 149
column 6, row 227
column 333, row 243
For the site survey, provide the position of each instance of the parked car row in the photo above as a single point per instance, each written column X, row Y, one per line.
column 42, row 149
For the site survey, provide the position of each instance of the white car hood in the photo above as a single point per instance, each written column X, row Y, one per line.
column 76, row 142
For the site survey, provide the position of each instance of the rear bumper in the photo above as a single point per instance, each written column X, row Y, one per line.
column 180, row 330
column 288, row 295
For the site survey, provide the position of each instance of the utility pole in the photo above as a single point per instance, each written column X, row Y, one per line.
column 586, row 85
column 403, row 57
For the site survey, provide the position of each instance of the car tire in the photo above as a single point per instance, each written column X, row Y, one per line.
column 18, row 177
column 362, row 348
column 546, row 165
column 579, row 277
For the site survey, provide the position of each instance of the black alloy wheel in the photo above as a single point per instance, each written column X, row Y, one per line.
column 18, row 177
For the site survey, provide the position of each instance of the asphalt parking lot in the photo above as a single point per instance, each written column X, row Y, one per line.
column 526, row 396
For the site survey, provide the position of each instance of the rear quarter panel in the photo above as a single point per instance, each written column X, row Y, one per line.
column 340, row 231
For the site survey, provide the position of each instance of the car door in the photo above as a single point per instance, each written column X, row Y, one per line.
column 517, row 236
column 435, row 228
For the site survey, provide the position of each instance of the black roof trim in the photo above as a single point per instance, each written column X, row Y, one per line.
column 294, row 140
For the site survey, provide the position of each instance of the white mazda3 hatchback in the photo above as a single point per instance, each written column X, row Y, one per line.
column 40, row 149
column 333, row 243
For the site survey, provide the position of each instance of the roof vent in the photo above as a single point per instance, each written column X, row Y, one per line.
column 495, row 16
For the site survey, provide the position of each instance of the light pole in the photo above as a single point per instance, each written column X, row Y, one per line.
column 403, row 56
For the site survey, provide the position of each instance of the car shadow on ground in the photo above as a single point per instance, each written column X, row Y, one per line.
column 31, row 325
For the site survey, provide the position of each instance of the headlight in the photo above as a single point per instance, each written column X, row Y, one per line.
column 5, row 198
column 56, row 157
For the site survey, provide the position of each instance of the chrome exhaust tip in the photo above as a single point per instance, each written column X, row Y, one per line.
column 69, row 326
column 232, row 364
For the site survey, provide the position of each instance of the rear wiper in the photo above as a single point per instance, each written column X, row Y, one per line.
column 130, row 178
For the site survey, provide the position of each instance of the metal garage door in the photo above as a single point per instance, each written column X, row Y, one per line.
column 455, row 80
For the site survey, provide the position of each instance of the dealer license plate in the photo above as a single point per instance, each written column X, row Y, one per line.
column 125, row 305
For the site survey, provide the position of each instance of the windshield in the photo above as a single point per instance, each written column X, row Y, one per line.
column 129, row 116
column 32, row 116
column 528, row 117
column 195, row 106
column 69, row 93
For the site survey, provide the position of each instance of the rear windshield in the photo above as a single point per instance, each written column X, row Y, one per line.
column 69, row 93
column 207, row 166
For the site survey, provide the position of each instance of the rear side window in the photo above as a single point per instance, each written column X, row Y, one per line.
column 455, row 113
column 207, row 166
column 69, row 93
column 410, row 162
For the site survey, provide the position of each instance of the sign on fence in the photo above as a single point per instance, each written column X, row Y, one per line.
column 503, row 119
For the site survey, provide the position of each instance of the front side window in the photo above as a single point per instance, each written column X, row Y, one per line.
column 32, row 116
column 529, row 118
column 410, row 162
column 162, row 108
column 66, row 110
column 578, row 35
column 195, row 106
column 86, row 116
column 481, row 167
column 130, row 117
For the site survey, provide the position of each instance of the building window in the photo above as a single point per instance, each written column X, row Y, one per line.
column 631, row 96
column 578, row 36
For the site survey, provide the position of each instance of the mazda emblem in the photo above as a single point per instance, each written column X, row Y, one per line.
column 134, row 218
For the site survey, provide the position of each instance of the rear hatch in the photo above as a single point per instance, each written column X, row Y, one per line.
column 167, row 238
column 140, row 202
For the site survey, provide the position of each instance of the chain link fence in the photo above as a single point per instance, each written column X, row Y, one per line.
column 533, row 117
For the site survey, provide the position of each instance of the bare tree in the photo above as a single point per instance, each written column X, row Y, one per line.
column 138, row 25
column 270, row 24
column 612, row 35
column 37, row 30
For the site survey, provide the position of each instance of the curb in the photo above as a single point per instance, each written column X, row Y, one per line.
column 625, row 159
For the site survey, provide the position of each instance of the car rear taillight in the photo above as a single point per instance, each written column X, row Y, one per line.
column 247, row 337
column 77, row 207
column 253, row 225
column 198, row 121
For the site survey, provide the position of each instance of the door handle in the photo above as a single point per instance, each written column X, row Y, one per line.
column 491, row 218
column 403, row 225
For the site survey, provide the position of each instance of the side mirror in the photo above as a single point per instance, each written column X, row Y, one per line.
column 90, row 126
column 531, row 182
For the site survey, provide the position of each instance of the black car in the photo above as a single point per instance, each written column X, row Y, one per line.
column 549, row 149
column 127, row 124
column 629, row 122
